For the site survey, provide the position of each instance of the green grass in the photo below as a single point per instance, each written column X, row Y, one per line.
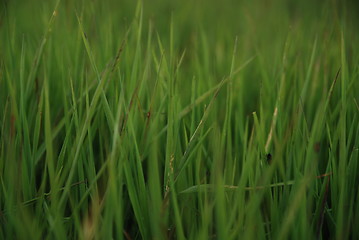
column 179, row 119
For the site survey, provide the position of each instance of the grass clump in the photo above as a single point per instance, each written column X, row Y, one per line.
column 179, row 120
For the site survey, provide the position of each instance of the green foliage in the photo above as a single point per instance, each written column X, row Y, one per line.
column 179, row 119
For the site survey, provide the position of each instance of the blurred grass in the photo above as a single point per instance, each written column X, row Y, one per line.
column 179, row 119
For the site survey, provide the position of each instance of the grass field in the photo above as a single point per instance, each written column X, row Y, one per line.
column 179, row 119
